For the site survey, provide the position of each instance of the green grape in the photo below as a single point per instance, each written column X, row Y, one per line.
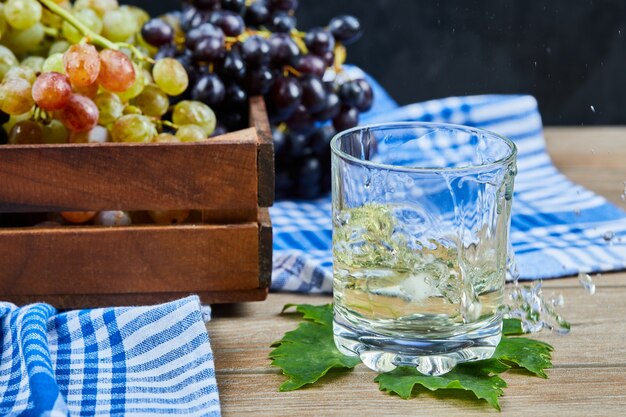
column 133, row 128
column 22, row 14
column 136, row 88
column 87, row 16
column 24, row 41
column 58, row 47
column 54, row 63
column 26, row 132
column 51, row 20
column 34, row 62
column 110, row 106
column 55, row 132
column 24, row 73
column 152, row 101
column 190, row 133
column 99, row 6
column 15, row 96
column 7, row 60
column 119, row 25
column 98, row 134
column 165, row 138
column 189, row 112
column 141, row 16
column 170, row 76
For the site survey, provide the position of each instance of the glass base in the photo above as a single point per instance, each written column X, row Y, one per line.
column 383, row 353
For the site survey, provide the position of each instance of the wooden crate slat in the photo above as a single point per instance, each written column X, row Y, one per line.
column 259, row 120
column 219, row 174
column 107, row 300
column 152, row 259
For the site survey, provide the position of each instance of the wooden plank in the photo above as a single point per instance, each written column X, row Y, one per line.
column 568, row 392
column 258, row 119
column 73, row 301
column 588, row 147
column 265, row 248
column 141, row 259
column 592, row 157
column 219, row 174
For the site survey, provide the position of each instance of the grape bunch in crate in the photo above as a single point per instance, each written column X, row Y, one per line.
column 95, row 71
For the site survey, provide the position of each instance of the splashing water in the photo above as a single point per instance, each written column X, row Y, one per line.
column 608, row 236
column 593, row 109
column 587, row 282
column 528, row 303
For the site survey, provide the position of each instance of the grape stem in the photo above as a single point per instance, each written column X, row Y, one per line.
column 168, row 123
column 88, row 33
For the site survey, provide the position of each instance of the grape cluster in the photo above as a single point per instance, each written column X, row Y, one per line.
column 82, row 73
column 233, row 49
column 96, row 71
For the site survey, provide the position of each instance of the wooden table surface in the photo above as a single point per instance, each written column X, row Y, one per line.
column 589, row 374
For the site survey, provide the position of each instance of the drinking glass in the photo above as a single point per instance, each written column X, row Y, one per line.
column 421, row 217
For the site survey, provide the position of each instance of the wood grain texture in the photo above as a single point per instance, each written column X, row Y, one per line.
column 75, row 301
column 218, row 174
column 141, row 259
column 259, row 120
column 589, row 377
column 265, row 248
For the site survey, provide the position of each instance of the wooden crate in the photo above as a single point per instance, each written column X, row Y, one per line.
column 225, row 258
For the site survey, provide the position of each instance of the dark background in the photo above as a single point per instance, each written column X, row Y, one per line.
column 569, row 54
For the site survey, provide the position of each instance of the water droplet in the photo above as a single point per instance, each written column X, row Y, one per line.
column 608, row 236
column 558, row 301
column 587, row 282
column 528, row 304
column 593, row 151
column 593, row 109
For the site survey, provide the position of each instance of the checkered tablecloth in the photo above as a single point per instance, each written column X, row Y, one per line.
column 127, row 361
column 558, row 228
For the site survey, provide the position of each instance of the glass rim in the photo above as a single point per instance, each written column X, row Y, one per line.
column 334, row 146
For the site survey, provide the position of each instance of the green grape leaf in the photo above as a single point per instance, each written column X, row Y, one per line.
column 475, row 378
column 512, row 327
column 533, row 355
column 307, row 353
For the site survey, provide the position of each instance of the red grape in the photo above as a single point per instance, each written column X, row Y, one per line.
column 116, row 71
column 51, row 91
column 90, row 90
column 80, row 114
column 82, row 64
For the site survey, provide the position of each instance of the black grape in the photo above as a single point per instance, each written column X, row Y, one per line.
column 209, row 89
column 257, row 14
column 319, row 41
column 284, row 50
column 313, row 93
column 256, row 51
column 157, row 33
column 347, row 118
column 345, row 29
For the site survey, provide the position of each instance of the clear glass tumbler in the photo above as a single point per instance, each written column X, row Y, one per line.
column 421, row 217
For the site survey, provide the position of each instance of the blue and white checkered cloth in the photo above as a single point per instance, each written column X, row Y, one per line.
column 130, row 361
column 558, row 228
